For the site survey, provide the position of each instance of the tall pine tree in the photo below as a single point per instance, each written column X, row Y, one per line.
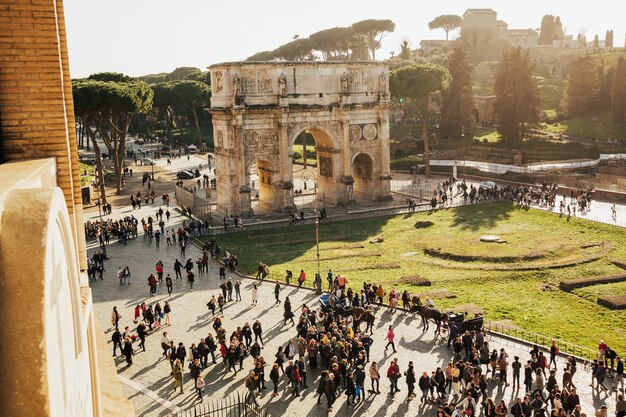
column 517, row 96
column 546, row 34
column 618, row 92
column 458, row 100
column 583, row 87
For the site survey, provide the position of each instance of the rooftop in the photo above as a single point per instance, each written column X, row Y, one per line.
column 482, row 11
column 287, row 63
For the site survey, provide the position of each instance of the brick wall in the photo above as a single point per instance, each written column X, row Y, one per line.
column 36, row 95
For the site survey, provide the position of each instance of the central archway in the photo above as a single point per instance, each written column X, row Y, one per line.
column 318, row 179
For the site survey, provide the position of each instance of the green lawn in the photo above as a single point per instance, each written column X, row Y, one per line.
column 598, row 125
column 444, row 247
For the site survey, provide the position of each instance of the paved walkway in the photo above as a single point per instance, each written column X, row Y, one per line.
column 148, row 382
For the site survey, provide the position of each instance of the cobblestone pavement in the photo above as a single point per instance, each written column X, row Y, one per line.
column 148, row 382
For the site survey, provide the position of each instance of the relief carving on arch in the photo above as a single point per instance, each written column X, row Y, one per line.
column 268, row 138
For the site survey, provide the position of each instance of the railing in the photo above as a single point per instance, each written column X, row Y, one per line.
column 233, row 406
column 542, row 340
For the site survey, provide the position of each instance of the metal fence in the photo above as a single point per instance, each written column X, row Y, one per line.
column 542, row 340
column 233, row 406
column 200, row 206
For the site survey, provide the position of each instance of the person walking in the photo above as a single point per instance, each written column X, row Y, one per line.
column 177, row 371
column 116, row 338
column 257, row 329
column 288, row 314
column 251, row 386
column 168, row 284
column 190, row 279
column 166, row 311
column 410, row 381
column 238, row 290
column 277, row 293
column 178, row 267
column 374, row 378
column 274, row 376
column 255, row 293
column 424, row 384
column 390, row 336
column 115, row 317
column 128, row 351
column 393, row 373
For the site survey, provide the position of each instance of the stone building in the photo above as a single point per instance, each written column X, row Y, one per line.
column 50, row 348
column 260, row 108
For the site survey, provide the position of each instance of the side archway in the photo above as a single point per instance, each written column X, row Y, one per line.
column 363, row 174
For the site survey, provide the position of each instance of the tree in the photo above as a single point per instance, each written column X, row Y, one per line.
column 109, row 101
column 182, row 73
column 558, row 32
column 618, row 92
column 546, row 34
column 333, row 43
column 479, row 41
column 191, row 95
column 458, row 99
column 296, row 50
column 517, row 96
column 416, row 83
column 405, row 49
column 447, row 22
column 372, row 31
column 262, row 56
column 582, row 94
column 164, row 102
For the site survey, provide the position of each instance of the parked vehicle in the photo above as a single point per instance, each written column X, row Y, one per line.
column 185, row 175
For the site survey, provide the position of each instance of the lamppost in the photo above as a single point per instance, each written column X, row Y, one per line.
column 318, row 276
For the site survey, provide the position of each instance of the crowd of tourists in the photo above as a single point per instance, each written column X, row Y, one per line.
column 331, row 354
column 544, row 195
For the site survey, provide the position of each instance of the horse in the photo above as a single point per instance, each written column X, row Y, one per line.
column 428, row 313
column 361, row 314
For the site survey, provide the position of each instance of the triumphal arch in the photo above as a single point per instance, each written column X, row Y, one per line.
column 260, row 108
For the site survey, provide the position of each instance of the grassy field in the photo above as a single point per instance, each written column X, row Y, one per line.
column 515, row 281
column 599, row 125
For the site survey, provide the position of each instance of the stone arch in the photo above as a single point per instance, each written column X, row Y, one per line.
column 363, row 169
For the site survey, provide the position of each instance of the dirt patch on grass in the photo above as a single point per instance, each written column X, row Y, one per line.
column 440, row 293
column 606, row 248
column 385, row 265
column 438, row 253
column 587, row 282
column 415, row 280
column 423, row 225
column 614, row 302
column 591, row 245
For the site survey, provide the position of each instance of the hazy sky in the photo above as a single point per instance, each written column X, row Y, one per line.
column 139, row 37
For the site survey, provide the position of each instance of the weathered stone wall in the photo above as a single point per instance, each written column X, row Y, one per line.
column 36, row 96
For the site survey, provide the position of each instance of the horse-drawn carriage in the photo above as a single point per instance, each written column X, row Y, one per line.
column 442, row 320
column 334, row 305
column 463, row 323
